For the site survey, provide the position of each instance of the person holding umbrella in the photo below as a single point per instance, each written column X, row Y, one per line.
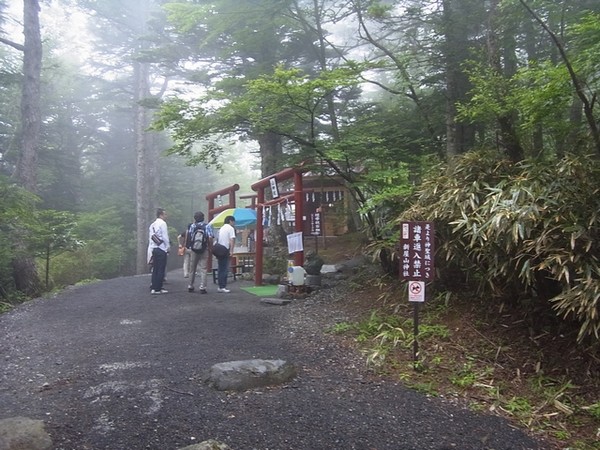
column 226, row 239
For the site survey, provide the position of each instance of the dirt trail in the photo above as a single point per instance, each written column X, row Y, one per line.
column 108, row 366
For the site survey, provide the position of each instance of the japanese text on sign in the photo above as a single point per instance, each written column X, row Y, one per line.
column 416, row 251
column 315, row 224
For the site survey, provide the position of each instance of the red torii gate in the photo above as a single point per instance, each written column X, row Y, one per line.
column 212, row 211
column 210, row 198
column 259, row 187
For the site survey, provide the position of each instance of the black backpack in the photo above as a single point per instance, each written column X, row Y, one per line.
column 198, row 240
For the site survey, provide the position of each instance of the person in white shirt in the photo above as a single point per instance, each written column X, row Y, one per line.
column 227, row 239
column 158, row 244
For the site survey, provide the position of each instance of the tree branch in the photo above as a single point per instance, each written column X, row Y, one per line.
column 365, row 34
column 588, row 106
column 12, row 44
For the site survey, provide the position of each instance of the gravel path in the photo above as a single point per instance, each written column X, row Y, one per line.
column 108, row 366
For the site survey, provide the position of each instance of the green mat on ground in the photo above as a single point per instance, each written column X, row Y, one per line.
column 262, row 291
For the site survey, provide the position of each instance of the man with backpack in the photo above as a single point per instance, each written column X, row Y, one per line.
column 198, row 238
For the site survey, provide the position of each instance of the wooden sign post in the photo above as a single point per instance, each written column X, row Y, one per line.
column 416, row 267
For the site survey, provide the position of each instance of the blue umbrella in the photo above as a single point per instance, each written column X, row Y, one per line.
column 244, row 217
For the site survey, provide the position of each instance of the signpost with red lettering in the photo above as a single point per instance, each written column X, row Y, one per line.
column 416, row 267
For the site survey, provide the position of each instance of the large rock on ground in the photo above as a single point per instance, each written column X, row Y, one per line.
column 22, row 433
column 249, row 374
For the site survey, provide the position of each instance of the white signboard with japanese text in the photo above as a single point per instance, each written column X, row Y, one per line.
column 315, row 224
column 417, row 251
column 274, row 187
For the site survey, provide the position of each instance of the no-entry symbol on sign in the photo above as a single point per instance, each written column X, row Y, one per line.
column 416, row 291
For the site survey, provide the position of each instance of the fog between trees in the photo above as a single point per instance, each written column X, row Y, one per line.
column 112, row 108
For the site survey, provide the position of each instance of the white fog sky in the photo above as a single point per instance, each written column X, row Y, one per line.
column 68, row 26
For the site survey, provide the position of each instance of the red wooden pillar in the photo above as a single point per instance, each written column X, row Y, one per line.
column 229, row 191
column 212, row 211
column 259, row 187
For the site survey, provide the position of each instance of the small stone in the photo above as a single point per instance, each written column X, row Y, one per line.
column 275, row 301
column 23, row 433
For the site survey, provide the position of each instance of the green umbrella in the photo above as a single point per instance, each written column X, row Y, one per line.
column 244, row 217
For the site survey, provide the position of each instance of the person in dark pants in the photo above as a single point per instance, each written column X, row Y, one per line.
column 158, row 243
column 227, row 239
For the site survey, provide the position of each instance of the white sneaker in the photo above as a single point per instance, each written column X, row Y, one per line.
column 223, row 290
column 162, row 291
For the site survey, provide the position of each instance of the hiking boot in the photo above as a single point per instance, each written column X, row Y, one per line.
column 190, row 288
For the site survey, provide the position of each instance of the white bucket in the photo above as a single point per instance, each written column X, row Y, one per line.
column 296, row 275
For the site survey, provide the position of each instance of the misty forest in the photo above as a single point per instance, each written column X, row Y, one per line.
column 480, row 116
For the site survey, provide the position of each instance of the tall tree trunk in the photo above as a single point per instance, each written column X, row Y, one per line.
column 509, row 139
column 460, row 136
column 322, row 57
column 24, row 269
column 271, row 152
column 147, row 173
column 531, row 39
column 26, row 170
